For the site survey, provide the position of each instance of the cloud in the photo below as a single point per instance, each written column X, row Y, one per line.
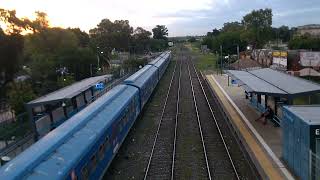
column 183, row 17
column 297, row 11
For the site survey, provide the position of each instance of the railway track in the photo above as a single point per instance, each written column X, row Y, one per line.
column 160, row 160
column 192, row 138
column 220, row 163
column 188, row 142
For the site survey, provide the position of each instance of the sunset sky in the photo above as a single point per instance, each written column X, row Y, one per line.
column 182, row 17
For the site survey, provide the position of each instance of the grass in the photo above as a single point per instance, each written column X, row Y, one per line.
column 205, row 62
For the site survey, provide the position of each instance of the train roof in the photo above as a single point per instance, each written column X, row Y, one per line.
column 158, row 58
column 161, row 61
column 52, row 155
column 141, row 76
column 70, row 91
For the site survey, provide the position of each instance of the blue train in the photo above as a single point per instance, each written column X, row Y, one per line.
column 84, row 146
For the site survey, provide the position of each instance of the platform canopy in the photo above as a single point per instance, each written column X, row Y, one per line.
column 271, row 82
column 70, row 91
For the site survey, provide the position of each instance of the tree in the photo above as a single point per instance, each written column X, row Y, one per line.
column 229, row 42
column 192, row 39
column 14, row 25
column 215, row 32
column 109, row 35
column 82, row 36
column 54, row 48
column 257, row 26
column 305, row 42
column 40, row 23
column 140, row 40
column 11, row 45
column 160, row 32
column 19, row 94
column 232, row 27
column 282, row 33
column 11, row 48
column 158, row 44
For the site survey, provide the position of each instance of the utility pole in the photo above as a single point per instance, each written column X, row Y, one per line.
column 221, row 58
column 228, row 62
column 91, row 70
column 238, row 56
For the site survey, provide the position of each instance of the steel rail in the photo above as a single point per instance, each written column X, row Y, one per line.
column 217, row 125
column 176, row 126
column 199, row 125
column 160, row 122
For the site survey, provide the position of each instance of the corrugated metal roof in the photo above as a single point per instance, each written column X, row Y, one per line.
column 308, row 113
column 274, row 82
column 254, row 84
column 72, row 90
column 286, row 82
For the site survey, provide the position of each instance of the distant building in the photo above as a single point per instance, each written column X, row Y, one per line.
column 312, row 29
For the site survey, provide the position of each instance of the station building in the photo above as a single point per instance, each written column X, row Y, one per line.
column 300, row 124
column 51, row 110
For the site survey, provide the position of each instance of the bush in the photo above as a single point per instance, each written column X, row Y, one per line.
column 20, row 93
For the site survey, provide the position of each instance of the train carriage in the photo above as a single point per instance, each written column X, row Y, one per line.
column 146, row 80
column 83, row 146
column 162, row 64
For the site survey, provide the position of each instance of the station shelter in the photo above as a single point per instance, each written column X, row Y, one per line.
column 267, row 87
column 51, row 110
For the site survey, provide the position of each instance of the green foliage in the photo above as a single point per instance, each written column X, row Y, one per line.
column 255, row 29
column 83, row 37
column 55, row 47
column 160, row 32
column 140, row 40
column 134, row 63
column 305, row 42
column 158, row 44
column 77, row 61
column 14, row 24
column 19, row 94
column 232, row 27
column 65, row 81
column 109, row 35
column 215, row 32
column 228, row 40
column 192, row 39
column 16, row 129
column 11, row 48
column 258, row 27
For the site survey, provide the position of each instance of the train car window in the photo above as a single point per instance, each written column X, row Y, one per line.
column 93, row 163
column 101, row 151
column 85, row 173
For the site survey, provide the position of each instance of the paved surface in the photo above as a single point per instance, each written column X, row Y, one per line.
column 263, row 141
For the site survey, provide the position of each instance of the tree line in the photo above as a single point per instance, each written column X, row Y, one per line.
column 53, row 57
column 256, row 29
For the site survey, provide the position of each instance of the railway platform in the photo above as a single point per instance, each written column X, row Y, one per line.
column 263, row 142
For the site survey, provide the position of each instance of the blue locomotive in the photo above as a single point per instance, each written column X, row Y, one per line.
column 84, row 146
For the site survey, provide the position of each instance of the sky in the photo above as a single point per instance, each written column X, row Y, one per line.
column 182, row 17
